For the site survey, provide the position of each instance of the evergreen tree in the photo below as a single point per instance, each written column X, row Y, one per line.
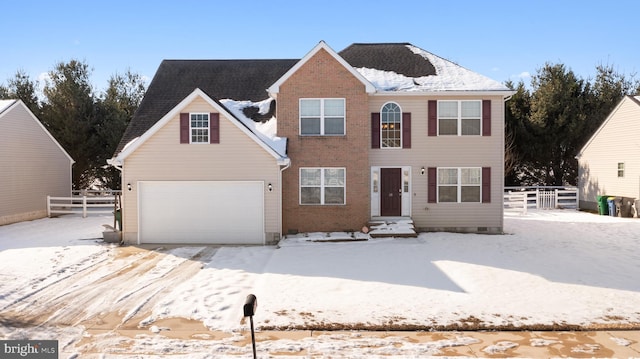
column 115, row 110
column 609, row 88
column 4, row 93
column 21, row 87
column 558, row 120
column 516, row 134
column 69, row 114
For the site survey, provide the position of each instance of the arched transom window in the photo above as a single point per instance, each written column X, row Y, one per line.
column 390, row 126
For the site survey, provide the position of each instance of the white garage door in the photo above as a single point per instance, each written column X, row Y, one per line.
column 214, row 212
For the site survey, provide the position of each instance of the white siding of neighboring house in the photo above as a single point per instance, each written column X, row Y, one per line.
column 236, row 158
column 32, row 166
column 447, row 151
column 617, row 140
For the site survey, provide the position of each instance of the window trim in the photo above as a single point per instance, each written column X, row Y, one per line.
column 458, row 184
column 401, row 130
column 322, row 116
column 322, row 186
column 208, row 128
column 459, row 118
column 620, row 169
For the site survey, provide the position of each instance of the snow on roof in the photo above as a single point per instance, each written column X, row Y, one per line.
column 4, row 104
column 449, row 77
column 266, row 131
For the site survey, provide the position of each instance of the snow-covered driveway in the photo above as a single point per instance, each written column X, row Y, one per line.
column 553, row 269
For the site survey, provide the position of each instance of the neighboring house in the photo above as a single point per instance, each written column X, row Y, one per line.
column 32, row 165
column 377, row 130
column 609, row 163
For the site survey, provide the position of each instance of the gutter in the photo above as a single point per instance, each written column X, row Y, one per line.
column 115, row 163
column 287, row 163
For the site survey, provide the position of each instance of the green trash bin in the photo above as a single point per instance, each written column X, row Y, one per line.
column 603, row 206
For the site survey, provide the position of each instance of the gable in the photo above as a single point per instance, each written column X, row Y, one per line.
column 321, row 47
column 229, row 144
column 20, row 125
column 207, row 105
column 623, row 122
column 240, row 80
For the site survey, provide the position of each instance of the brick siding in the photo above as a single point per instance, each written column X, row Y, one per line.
column 323, row 77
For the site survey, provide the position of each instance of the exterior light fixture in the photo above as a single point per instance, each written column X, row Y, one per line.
column 270, row 187
column 129, row 186
column 422, row 171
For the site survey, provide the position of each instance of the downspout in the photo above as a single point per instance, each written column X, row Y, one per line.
column 504, row 127
column 287, row 165
column 118, row 166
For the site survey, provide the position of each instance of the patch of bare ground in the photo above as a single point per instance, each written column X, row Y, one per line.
column 470, row 323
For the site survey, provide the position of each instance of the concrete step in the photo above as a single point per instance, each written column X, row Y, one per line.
column 397, row 227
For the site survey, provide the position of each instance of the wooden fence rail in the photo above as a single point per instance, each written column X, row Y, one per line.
column 81, row 204
column 540, row 197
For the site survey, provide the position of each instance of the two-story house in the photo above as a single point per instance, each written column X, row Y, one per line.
column 245, row 151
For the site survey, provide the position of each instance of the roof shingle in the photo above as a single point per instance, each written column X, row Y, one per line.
column 219, row 79
column 396, row 57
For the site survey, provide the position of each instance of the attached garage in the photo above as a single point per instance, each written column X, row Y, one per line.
column 202, row 212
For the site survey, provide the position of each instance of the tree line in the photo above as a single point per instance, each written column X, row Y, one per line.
column 546, row 124
column 87, row 124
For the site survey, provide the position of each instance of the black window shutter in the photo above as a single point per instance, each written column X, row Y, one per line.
column 184, row 128
column 432, row 180
column 406, row 130
column 486, row 117
column 486, row 184
column 375, row 130
column 432, row 118
column 214, row 128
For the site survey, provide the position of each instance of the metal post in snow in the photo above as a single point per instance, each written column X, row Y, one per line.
column 84, row 206
column 249, row 308
column 48, row 206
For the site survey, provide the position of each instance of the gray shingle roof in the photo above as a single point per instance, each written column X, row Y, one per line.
column 243, row 80
column 396, row 57
column 219, row 79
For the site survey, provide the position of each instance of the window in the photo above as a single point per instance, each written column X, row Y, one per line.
column 390, row 126
column 459, row 184
column 199, row 127
column 322, row 117
column 322, row 186
column 620, row 169
column 459, row 118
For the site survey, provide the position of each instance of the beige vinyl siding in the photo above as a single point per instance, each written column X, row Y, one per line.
column 447, row 151
column 236, row 158
column 32, row 166
column 616, row 141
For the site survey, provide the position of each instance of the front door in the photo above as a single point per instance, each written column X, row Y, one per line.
column 391, row 192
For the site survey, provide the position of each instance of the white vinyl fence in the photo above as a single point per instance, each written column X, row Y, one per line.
column 520, row 199
column 84, row 202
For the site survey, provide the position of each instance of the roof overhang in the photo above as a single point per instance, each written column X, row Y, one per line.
column 274, row 89
column 138, row 141
column 635, row 100
column 483, row 93
column 9, row 105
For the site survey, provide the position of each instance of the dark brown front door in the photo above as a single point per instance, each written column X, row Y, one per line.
column 391, row 194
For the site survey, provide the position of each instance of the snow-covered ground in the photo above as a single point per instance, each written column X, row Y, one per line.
column 552, row 269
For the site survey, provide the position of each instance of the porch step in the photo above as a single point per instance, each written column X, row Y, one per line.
column 392, row 227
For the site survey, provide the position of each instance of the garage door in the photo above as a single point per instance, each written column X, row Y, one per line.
column 213, row 212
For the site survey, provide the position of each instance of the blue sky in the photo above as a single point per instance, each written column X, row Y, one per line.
column 497, row 38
